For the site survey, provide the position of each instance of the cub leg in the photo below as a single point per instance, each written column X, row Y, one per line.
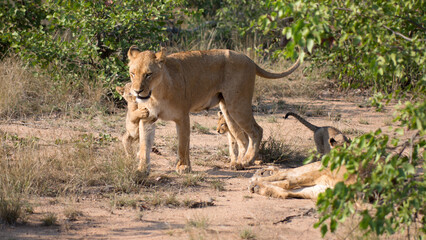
column 127, row 141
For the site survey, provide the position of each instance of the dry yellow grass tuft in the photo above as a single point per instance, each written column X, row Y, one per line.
column 28, row 91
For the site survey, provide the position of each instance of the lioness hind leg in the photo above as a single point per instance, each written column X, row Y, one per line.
column 241, row 113
column 254, row 133
column 240, row 139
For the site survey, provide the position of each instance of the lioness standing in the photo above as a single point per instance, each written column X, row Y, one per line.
column 173, row 86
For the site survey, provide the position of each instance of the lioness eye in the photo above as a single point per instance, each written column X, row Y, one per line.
column 132, row 74
column 148, row 75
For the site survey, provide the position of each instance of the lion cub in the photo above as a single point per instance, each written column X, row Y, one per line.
column 325, row 137
column 134, row 115
column 222, row 128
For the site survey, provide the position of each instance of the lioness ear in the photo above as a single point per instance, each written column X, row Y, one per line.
column 120, row 90
column 133, row 52
column 161, row 55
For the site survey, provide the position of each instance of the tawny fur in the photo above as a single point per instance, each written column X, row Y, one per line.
column 325, row 137
column 134, row 114
column 222, row 128
column 173, row 86
column 303, row 182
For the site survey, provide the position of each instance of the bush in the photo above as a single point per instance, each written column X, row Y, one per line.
column 376, row 44
column 90, row 37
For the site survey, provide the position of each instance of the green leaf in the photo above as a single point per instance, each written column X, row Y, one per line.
column 323, row 230
column 310, row 44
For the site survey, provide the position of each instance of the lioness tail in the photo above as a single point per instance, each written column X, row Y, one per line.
column 302, row 120
column 263, row 73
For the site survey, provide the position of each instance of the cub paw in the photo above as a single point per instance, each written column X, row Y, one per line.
column 144, row 113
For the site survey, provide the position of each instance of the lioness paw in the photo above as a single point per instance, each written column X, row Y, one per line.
column 181, row 169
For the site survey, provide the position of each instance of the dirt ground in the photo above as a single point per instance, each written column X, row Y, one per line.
column 227, row 212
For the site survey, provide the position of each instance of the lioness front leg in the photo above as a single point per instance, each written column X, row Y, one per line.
column 183, row 130
column 146, row 136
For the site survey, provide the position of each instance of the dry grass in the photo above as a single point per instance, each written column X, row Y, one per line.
column 10, row 209
column 49, row 220
column 247, row 234
column 274, row 150
column 49, row 170
column 72, row 214
column 297, row 84
column 27, row 91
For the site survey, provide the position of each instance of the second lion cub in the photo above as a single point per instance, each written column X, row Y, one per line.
column 325, row 137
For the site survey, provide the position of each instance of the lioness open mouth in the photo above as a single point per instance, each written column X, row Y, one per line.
column 146, row 97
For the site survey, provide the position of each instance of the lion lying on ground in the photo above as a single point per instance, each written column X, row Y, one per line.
column 173, row 86
column 303, row 182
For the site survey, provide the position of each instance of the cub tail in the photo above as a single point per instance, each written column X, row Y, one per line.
column 303, row 121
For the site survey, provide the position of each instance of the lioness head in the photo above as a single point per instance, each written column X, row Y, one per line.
column 222, row 127
column 125, row 92
column 145, row 70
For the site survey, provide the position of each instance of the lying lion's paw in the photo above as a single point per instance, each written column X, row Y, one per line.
column 254, row 187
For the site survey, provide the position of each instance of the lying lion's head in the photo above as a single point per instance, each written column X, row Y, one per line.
column 145, row 70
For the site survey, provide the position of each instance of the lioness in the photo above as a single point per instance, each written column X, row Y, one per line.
column 325, row 137
column 173, row 86
column 302, row 182
column 133, row 116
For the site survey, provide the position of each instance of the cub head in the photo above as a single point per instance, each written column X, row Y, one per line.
column 125, row 92
column 146, row 71
column 222, row 127
column 338, row 140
